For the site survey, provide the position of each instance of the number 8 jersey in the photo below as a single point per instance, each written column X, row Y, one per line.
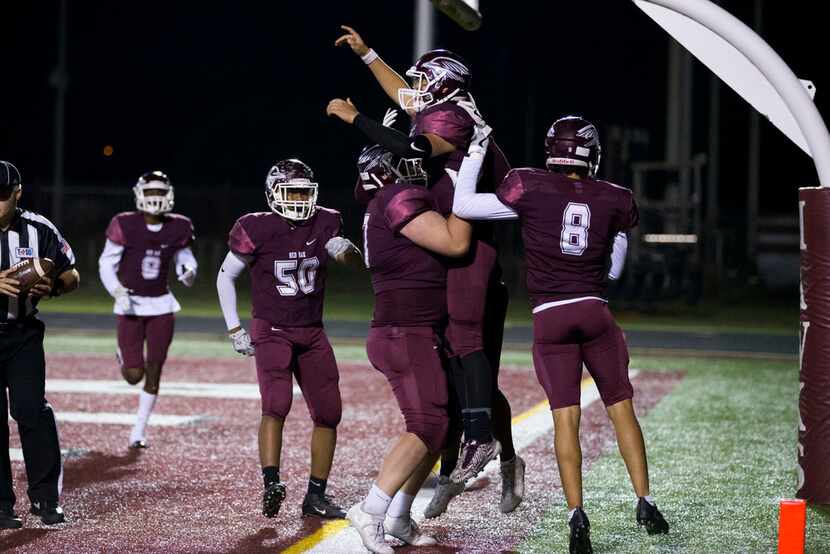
column 568, row 230
column 287, row 263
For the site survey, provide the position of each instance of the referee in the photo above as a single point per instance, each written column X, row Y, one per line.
column 24, row 234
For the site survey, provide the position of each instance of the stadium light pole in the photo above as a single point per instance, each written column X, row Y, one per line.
column 766, row 60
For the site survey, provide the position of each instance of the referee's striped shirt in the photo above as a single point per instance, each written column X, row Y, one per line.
column 30, row 235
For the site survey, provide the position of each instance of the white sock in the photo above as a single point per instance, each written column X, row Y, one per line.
column 650, row 500
column 146, row 401
column 376, row 502
column 401, row 505
column 571, row 514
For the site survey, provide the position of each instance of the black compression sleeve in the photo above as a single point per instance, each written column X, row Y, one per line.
column 392, row 139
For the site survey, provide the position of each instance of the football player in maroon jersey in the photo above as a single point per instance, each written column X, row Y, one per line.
column 286, row 251
column 405, row 239
column 141, row 247
column 443, row 113
column 574, row 228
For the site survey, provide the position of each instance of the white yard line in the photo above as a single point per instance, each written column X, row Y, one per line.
column 111, row 418
column 527, row 427
column 245, row 391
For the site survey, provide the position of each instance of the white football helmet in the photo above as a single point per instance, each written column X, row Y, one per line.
column 285, row 177
column 154, row 204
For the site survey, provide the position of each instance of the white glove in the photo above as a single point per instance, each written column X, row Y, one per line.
column 390, row 117
column 122, row 299
column 338, row 246
column 187, row 275
column 480, row 141
column 242, row 342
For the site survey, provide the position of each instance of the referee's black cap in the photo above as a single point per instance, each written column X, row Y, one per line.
column 9, row 175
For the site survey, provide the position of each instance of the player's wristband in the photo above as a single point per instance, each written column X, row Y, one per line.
column 369, row 56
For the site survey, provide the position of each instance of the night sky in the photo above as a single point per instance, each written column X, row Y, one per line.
column 215, row 92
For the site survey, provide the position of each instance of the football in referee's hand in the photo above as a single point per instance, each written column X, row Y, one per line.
column 30, row 271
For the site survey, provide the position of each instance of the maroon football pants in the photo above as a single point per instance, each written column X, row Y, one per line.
column 306, row 354
column 565, row 337
column 134, row 330
column 411, row 359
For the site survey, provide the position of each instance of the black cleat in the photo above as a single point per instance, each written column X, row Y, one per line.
column 320, row 505
column 272, row 498
column 580, row 533
column 9, row 519
column 651, row 518
column 138, row 445
column 49, row 513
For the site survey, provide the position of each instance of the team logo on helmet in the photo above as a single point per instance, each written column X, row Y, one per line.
column 154, row 193
column 437, row 76
column 290, row 190
column 378, row 167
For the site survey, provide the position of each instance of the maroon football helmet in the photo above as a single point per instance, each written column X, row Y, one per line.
column 378, row 167
column 287, row 176
column 437, row 76
column 573, row 142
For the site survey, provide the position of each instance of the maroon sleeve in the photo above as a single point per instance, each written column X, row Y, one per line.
column 115, row 233
column 240, row 242
column 630, row 215
column 188, row 233
column 405, row 206
column 511, row 190
column 449, row 122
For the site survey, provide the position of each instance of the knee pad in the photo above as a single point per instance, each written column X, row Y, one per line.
column 431, row 429
column 329, row 418
column 133, row 375
column 465, row 336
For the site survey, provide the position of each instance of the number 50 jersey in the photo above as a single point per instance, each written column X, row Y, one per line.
column 287, row 263
column 568, row 229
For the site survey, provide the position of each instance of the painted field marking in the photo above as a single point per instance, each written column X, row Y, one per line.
column 16, row 454
column 337, row 537
column 244, row 391
column 111, row 418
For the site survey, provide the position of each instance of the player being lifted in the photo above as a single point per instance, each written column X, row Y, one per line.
column 134, row 267
column 286, row 252
column 405, row 239
column 573, row 226
column 442, row 112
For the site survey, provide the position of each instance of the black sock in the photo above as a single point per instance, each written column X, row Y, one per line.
column 478, row 390
column 270, row 474
column 316, row 486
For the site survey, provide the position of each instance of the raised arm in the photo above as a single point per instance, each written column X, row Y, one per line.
column 467, row 203
column 386, row 77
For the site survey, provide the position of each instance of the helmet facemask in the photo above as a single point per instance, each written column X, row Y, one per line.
column 416, row 98
column 282, row 201
column 154, row 204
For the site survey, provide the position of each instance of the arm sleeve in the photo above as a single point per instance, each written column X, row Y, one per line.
column 57, row 249
column 618, row 252
column 108, row 266
column 392, row 139
column 468, row 204
column 184, row 257
column 115, row 233
column 406, row 206
column 231, row 269
column 240, row 241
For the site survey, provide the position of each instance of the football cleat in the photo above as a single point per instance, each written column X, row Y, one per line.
column 406, row 530
column 49, row 513
column 580, row 542
column 370, row 529
column 474, row 456
column 9, row 519
column 138, row 445
column 272, row 498
column 512, row 484
column 320, row 505
column 650, row 517
column 445, row 491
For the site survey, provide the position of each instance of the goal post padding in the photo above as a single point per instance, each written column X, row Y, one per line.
column 814, row 348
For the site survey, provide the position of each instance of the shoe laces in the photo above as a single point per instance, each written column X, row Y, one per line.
column 379, row 532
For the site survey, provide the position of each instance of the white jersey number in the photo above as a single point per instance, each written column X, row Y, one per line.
column 303, row 281
column 575, row 224
column 366, row 240
column 150, row 267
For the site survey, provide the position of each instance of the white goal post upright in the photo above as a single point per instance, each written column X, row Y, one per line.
column 745, row 62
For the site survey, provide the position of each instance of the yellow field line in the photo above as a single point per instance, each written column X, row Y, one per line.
column 334, row 527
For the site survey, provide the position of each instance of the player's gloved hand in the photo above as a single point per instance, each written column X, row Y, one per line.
column 122, row 299
column 187, row 275
column 353, row 40
column 390, row 117
column 242, row 342
column 480, row 141
column 337, row 247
